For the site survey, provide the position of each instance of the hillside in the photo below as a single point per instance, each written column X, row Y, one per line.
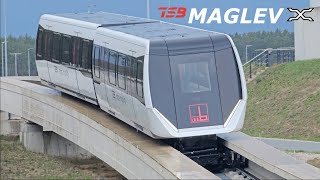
column 18, row 163
column 284, row 102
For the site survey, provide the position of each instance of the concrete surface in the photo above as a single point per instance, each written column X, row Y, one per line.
column 31, row 136
column 307, row 36
column 314, row 3
column 9, row 127
column 132, row 154
column 36, row 140
column 292, row 145
column 269, row 158
column 25, row 78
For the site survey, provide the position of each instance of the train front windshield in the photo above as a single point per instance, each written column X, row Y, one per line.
column 194, row 77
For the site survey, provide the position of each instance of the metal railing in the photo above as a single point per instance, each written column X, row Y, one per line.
column 264, row 58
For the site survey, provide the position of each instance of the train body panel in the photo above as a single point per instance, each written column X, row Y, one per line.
column 166, row 80
column 42, row 68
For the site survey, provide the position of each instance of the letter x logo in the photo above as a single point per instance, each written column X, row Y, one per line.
column 300, row 14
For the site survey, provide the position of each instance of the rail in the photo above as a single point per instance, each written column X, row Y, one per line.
column 267, row 58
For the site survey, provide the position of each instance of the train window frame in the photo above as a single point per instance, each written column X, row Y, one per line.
column 139, row 92
column 123, row 75
column 66, row 37
column 96, row 60
column 112, row 53
column 39, row 45
column 56, row 52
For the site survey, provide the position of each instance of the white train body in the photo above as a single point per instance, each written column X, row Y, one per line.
column 166, row 80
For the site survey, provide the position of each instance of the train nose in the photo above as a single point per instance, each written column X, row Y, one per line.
column 201, row 80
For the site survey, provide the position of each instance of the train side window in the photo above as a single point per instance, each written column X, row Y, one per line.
column 97, row 62
column 133, row 76
column 89, row 62
column 139, row 79
column 56, row 47
column 104, row 61
column 121, row 71
column 66, row 48
column 85, row 55
column 48, row 45
column 112, row 67
column 128, row 73
column 40, row 42
column 76, row 51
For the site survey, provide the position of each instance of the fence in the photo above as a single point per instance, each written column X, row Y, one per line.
column 264, row 58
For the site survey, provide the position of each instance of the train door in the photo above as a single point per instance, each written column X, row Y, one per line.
column 112, row 82
column 98, row 69
column 84, row 73
column 131, row 86
column 196, row 91
column 104, row 72
column 119, row 98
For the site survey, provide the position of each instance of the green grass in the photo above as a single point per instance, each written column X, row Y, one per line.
column 255, row 69
column 284, row 102
column 18, row 163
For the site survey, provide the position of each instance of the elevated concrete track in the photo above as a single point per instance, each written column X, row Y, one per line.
column 133, row 154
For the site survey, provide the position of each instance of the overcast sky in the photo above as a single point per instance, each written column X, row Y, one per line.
column 23, row 15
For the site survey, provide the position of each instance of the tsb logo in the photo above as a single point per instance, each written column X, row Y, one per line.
column 173, row 12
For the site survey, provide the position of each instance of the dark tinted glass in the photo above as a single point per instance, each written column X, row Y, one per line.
column 104, row 61
column 112, row 68
column 66, row 44
column 140, row 78
column 47, row 45
column 56, row 47
column 85, row 54
column 121, row 72
column 39, row 42
column 194, row 77
column 76, row 51
column 97, row 62
column 229, row 80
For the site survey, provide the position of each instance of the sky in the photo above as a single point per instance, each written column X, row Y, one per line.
column 23, row 15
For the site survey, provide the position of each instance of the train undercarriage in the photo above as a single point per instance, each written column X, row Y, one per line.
column 209, row 152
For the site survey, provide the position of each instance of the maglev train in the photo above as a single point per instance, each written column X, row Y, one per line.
column 164, row 79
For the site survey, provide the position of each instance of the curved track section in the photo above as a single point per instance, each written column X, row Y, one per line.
column 132, row 154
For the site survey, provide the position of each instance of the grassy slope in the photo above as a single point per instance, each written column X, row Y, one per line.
column 284, row 102
column 18, row 163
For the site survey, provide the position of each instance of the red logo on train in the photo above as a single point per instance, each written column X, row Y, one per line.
column 198, row 113
column 173, row 12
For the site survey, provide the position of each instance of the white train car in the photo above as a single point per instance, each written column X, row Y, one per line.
column 166, row 80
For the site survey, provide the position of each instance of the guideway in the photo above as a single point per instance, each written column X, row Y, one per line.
column 269, row 158
column 132, row 154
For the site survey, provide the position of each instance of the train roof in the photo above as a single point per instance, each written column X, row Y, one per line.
column 140, row 27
